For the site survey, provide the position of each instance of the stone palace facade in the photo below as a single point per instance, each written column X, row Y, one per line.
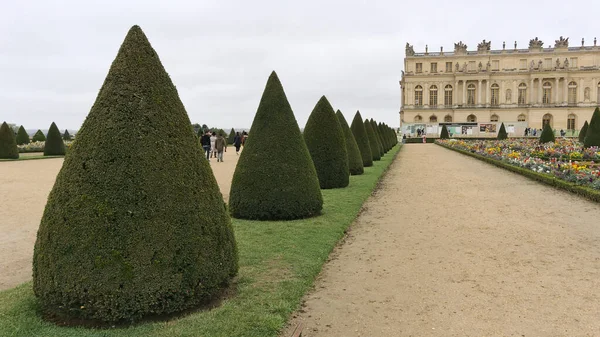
column 559, row 85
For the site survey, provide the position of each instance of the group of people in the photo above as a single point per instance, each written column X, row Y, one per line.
column 214, row 144
column 420, row 132
column 534, row 132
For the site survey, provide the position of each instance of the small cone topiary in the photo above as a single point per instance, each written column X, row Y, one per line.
column 377, row 137
column 324, row 139
column 135, row 224
column 66, row 135
column 8, row 143
column 55, row 146
column 231, row 136
column 547, row 134
column 583, row 131
column 502, row 134
column 39, row 136
column 22, row 136
column 355, row 163
column 444, row 134
column 592, row 134
column 372, row 141
column 275, row 178
column 362, row 139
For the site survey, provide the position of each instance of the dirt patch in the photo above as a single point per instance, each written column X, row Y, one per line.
column 451, row 246
column 25, row 188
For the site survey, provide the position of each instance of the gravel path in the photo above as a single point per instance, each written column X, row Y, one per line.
column 451, row 246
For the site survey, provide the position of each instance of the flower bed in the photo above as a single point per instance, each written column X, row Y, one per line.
column 38, row 146
column 564, row 160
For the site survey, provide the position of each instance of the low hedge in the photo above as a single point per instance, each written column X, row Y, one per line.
column 585, row 192
column 420, row 140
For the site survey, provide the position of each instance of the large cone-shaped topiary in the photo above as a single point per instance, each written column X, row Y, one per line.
column 362, row 139
column 39, row 136
column 377, row 137
column 444, row 134
column 372, row 141
column 8, row 143
column 355, row 163
column 275, row 177
column 22, row 136
column 592, row 134
column 547, row 134
column 55, row 145
column 324, row 139
column 135, row 224
column 502, row 134
column 583, row 131
column 384, row 138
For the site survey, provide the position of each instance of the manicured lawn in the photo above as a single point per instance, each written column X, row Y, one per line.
column 278, row 264
column 32, row 156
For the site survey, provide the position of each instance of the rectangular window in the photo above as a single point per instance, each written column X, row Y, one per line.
column 471, row 65
column 495, row 96
column 448, row 67
column 419, row 68
column 573, row 95
column 448, row 97
column 433, row 97
column 547, row 99
column 471, row 97
column 573, row 62
column 522, row 96
column 496, row 65
column 419, row 98
column 523, row 64
column 548, row 63
column 434, row 67
column 571, row 124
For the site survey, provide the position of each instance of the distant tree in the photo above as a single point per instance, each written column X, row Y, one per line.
column 444, row 134
column 66, row 135
column 502, row 134
column 583, row 131
column 8, row 143
column 22, row 136
column 592, row 135
column 547, row 134
column 39, row 136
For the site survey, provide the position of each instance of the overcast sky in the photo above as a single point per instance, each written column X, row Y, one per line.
column 54, row 55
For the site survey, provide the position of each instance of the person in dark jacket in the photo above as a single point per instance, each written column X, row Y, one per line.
column 237, row 142
column 220, row 146
column 205, row 141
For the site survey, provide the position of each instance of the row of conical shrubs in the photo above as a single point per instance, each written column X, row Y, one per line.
column 54, row 144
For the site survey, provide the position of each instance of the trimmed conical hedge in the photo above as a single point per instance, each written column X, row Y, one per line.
column 377, row 138
column 362, row 139
column 372, row 141
column 39, row 136
column 583, row 131
column 324, row 139
column 8, row 143
column 592, row 135
column 231, row 136
column 355, row 163
column 66, row 135
column 502, row 134
column 547, row 134
column 135, row 224
column 55, row 146
column 444, row 134
column 22, row 136
column 275, row 177
column 384, row 136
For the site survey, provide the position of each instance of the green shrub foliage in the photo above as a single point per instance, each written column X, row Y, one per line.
column 592, row 135
column 372, row 141
column 8, row 143
column 324, row 139
column 135, row 224
column 275, row 177
column 583, row 132
column 55, row 146
column 355, row 163
column 384, row 138
column 22, row 136
column 39, row 136
column 362, row 139
column 502, row 134
column 377, row 138
column 66, row 135
column 547, row 134
column 445, row 134
column 231, row 136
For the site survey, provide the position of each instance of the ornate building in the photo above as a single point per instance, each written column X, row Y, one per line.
column 559, row 85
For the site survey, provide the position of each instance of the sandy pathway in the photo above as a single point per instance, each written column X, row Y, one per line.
column 24, row 188
column 451, row 246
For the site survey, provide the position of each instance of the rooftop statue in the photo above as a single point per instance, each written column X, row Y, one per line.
column 484, row 46
column 460, row 47
column 561, row 43
column 536, row 43
column 409, row 50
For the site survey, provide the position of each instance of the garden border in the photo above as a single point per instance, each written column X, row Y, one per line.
column 585, row 192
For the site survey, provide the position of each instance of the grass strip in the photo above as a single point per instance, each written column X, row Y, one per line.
column 279, row 261
column 32, row 158
column 545, row 178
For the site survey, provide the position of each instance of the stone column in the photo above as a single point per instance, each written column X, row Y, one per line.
column 555, row 91
column 455, row 94
column 531, row 93
column 540, row 91
column 580, row 91
column 479, row 94
column 464, row 99
column 488, row 96
column 565, row 98
column 515, row 93
column 441, row 94
column 426, row 94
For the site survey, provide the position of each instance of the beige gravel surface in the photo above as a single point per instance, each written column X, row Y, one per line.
column 24, row 189
column 451, row 246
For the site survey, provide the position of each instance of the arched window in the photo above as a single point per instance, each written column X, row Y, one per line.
column 471, row 119
column 522, row 94
column 433, row 119
column 547, row 119
column 494, row 118
column 547, row 90
column 419, row 95
column 448, row 119
column 448, row 95
column 418, row 119
column 495, row 94
column 571, row 119
column 572, row 92
column 433, row 95
column 521, row 118
column 471, row 94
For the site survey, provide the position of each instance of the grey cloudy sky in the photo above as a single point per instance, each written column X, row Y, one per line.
column 54, row 55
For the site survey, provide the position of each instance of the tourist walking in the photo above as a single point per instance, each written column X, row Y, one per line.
column 244, row 138
column 213, row 139
column 237, row 142
column 220, row 146
column 205, row 142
